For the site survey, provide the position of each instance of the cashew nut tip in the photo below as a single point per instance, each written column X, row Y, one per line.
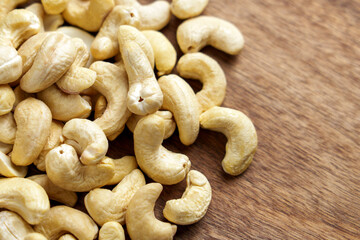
column 241, row 135
column 7, row 6
column 12, row 226
column 123, row 166
column 10, row 65
column 54, row 6
column 35, row 236
column 100, row 107
column 111, row 230
column 194, row 34
column 141, row 222
column 7, row 100
column 192, row 206
column 5, row 148
column 67, row 237
column 8, row 128
column 184, row 9
column 48, row 22
column 8, row 169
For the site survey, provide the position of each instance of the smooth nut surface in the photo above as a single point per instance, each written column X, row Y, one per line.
column 8, row 169
column 7, row 99
column 12, row 226
column 123, row 166
column 184, row 9
column 111, row 230
column 7, row 128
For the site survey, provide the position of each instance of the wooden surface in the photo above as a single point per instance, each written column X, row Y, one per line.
column 298, row 80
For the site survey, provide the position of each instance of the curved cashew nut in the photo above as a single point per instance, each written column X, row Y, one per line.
column 55, row 192
column 65, row 170
column 7, row 6
column 241, row 135
column 13, row 227
column 104, row 205
column 5, row 148
column 54, row 6
column 157, row 162
column 100, row 107
column 123, row 166
column 111, row 230
column 141, row 222
column 64, row 107
column 8, row 169
column 194, row 34
column 7, row 99
column 20, row 95
column 89, row 14
column 184, row 9
column 180, row 99
column 209, row 73
column 35, row 236
column 8, row 128
column 67, row 237
column 170, row 124
column 90, row 137
column 193, row 204
column 106, row 43
column 111, row 82
column 33, row 119
column 10, row 64
column 164, row 51
column 63, row 219
column 28, row 198
column 48, row 22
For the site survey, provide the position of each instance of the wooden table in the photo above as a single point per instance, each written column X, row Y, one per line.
column 298, row 79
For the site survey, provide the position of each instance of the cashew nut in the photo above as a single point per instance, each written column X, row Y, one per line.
column 8, row 5
column 24, row 197
column 54, row 6
column 180, row 99
column 106, row 43
column 64, row 107
column 111, row 82
column 48, row 22
column 209, row 73
column 184, row 9
column 193, row 204
column 141, row 222
column 33, row 119
column 67, row 237
column 8, row 169
column 157, row 162
column 8, row 128
column 164, row 51
column 5, row 148
column 35, row 236
column 241, row 135
column 104, row 205
column 123, row 166
column 20, row 95
column 7, row 99
column 10, row 64
column 65, row 170
column 194, row 34
column 90, row 137
column 63, row 219
column 88, row 14
column 100, row 107
column 112, row 230
column 13, row 227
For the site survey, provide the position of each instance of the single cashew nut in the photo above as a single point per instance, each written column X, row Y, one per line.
column 193, row 204
column 48, row 22
column 157, row 162
column 64, row 107
column 10, row 65
column 55, row 192
column 67, row 237
column 123, row 166
column 184, row 9
column 33, row 119
column 111, row 82
column 141, row 222
column 25, row 197
column 90, row 137
column 65, row 170
column 5, row 148
column 7, row 6
column 241, row 135
column 88, row 14
column 8, row 128
column 35, row 236
column 8, row 169
column 104, row 205
column 20, row 95
column 7, row 99
column 164, row 51
column 63, row 219
column 194, row 34
column 205, row 69
column 100, row 107
column 180, row 99
column 112, row 230
column 54, row 6
column 12, row 226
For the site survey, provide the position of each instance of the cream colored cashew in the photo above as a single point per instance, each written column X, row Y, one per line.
column 8, row 128
column 90, row 137
column 10, row 65
column 193, row 204
column 106, row 43
column 35, row 236
column 7, row 99
column 184, row 9
column 141, row 222
column 78, row 78
column 48, row 22
column 154, row 16
column 13, row 227
column 8, row 169
column 157, row 162
column 144, row 96
column 180, row 99
column 205, row 69
column 64, row 107
column 53, row 60
column 67, row 237
column 24, row 197
column 164, row 51
column 170, row 124
column 33, row 119
column 55, row 192
column 62, row 219
column 20, row 95
column 88, row 14
column 194, row 34
column 8, row 5
column 241, row 135
column 111, row 82
column 65, row 170
column 100, row 107
column 104, row 205
column 123, row 166
column 5, row 148
column 54, row 6
column 111, row 231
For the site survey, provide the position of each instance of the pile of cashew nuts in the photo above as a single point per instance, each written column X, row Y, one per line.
column 65, row 93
